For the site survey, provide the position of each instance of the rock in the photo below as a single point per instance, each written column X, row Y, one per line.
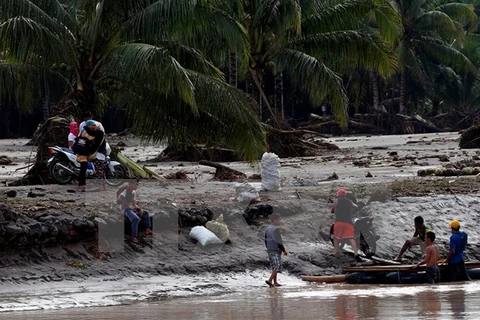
column 11, row 193
column 395, row 158
column 121, row 144
column 467, row 171
column 4, row 160
column 421, row 173
column 35, row 229
column 443, row 158
column 393, row 153
column 369, row 175
column 46, row 218
column 12, row 229
column 71, row 191
column 334, row 176
column 10, row 215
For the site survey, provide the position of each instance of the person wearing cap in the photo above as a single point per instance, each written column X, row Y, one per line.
column 343, row 228
column 275, row 247
column 454, row 260
column 418, row 238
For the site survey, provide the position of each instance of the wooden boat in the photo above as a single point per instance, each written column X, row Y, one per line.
column 388, row 274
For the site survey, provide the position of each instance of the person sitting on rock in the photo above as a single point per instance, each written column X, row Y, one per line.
column 126, row 197
column 418, row 238
column 343, row 229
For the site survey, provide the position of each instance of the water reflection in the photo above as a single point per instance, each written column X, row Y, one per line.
column 457, row 303
column 312, row 302
column 430, row 305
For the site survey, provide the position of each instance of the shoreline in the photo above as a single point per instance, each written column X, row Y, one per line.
column 395, row 196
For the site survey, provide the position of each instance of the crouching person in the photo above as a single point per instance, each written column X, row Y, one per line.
column 126, row 197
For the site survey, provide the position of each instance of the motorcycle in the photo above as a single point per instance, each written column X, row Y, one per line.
column 365, row 234
column 63, row 167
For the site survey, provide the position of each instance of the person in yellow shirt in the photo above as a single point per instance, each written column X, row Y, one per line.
column 418, row 238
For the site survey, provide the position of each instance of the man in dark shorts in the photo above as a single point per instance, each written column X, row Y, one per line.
column 274, row 245
column 343, row 229
column 432, row 254
column 456, row 265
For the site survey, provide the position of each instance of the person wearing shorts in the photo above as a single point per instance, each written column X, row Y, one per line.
column 275, row 248
column 430, row 259
column 343, row 229
column 418, row 238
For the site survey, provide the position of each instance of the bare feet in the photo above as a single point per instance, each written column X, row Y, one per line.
column 277, row 284
column 134, row 239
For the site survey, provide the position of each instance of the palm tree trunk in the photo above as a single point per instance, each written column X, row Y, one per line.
column 258, row 84
column 402, row 108
column 279, row 106
column 45, row 89
column 232, row 70
column 375, row 90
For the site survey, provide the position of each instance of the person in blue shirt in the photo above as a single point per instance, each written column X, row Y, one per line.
column 456, row 266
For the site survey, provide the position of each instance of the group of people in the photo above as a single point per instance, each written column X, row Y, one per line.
column 87, row 141
column 344, row 230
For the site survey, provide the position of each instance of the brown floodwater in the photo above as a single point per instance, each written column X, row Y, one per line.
column 341, row 302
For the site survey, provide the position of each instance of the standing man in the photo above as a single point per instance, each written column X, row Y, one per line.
column 418, row 238
column 456, row 265
column 432, row 254
column 274, row 245
column 131, row 209
column 343, row 229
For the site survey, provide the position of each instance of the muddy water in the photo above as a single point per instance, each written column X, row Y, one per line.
column 342, row 302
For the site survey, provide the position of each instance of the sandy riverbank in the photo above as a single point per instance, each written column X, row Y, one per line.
column 306, row 219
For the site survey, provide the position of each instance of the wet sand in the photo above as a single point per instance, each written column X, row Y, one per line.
column 306, row 221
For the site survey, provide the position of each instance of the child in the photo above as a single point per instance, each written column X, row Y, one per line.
column 430, row 259
column 274, row 244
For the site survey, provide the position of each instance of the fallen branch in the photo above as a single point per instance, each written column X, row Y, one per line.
column 223, row 172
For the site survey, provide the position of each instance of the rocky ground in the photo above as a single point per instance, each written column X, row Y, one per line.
column 51, row 234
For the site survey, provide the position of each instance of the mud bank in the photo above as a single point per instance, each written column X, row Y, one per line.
column 396, row 196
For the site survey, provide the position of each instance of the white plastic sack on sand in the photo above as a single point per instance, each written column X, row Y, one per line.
column 220, row 228
column 245, row 192
column 270, row 171
column 204, row 236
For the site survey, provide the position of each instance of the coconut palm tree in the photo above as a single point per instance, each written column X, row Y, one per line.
column 429, row 30
column 140, row 53
column 311, row 41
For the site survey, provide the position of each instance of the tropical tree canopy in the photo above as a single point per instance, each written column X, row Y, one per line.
column 139, row 53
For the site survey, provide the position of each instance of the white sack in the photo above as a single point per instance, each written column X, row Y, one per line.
column 204, row 236
column 270, row 172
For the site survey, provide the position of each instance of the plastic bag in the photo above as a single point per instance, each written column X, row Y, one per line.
column 245, row 192
column 204, row 236
column 270, row 171
column 219, row 228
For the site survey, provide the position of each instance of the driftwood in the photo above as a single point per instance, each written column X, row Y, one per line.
column 223, row 172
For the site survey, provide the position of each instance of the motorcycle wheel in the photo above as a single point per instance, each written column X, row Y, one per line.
column 58, row 173
column 116, row 178
column 368, row 244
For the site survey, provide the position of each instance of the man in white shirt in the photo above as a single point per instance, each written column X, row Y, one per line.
column 126, row 197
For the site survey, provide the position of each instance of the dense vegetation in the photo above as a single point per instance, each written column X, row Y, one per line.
column 211, row 71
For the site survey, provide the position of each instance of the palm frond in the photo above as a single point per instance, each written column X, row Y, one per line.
column 25, row 40
column 350, row 47
column 319, row 82
column 152, row 66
